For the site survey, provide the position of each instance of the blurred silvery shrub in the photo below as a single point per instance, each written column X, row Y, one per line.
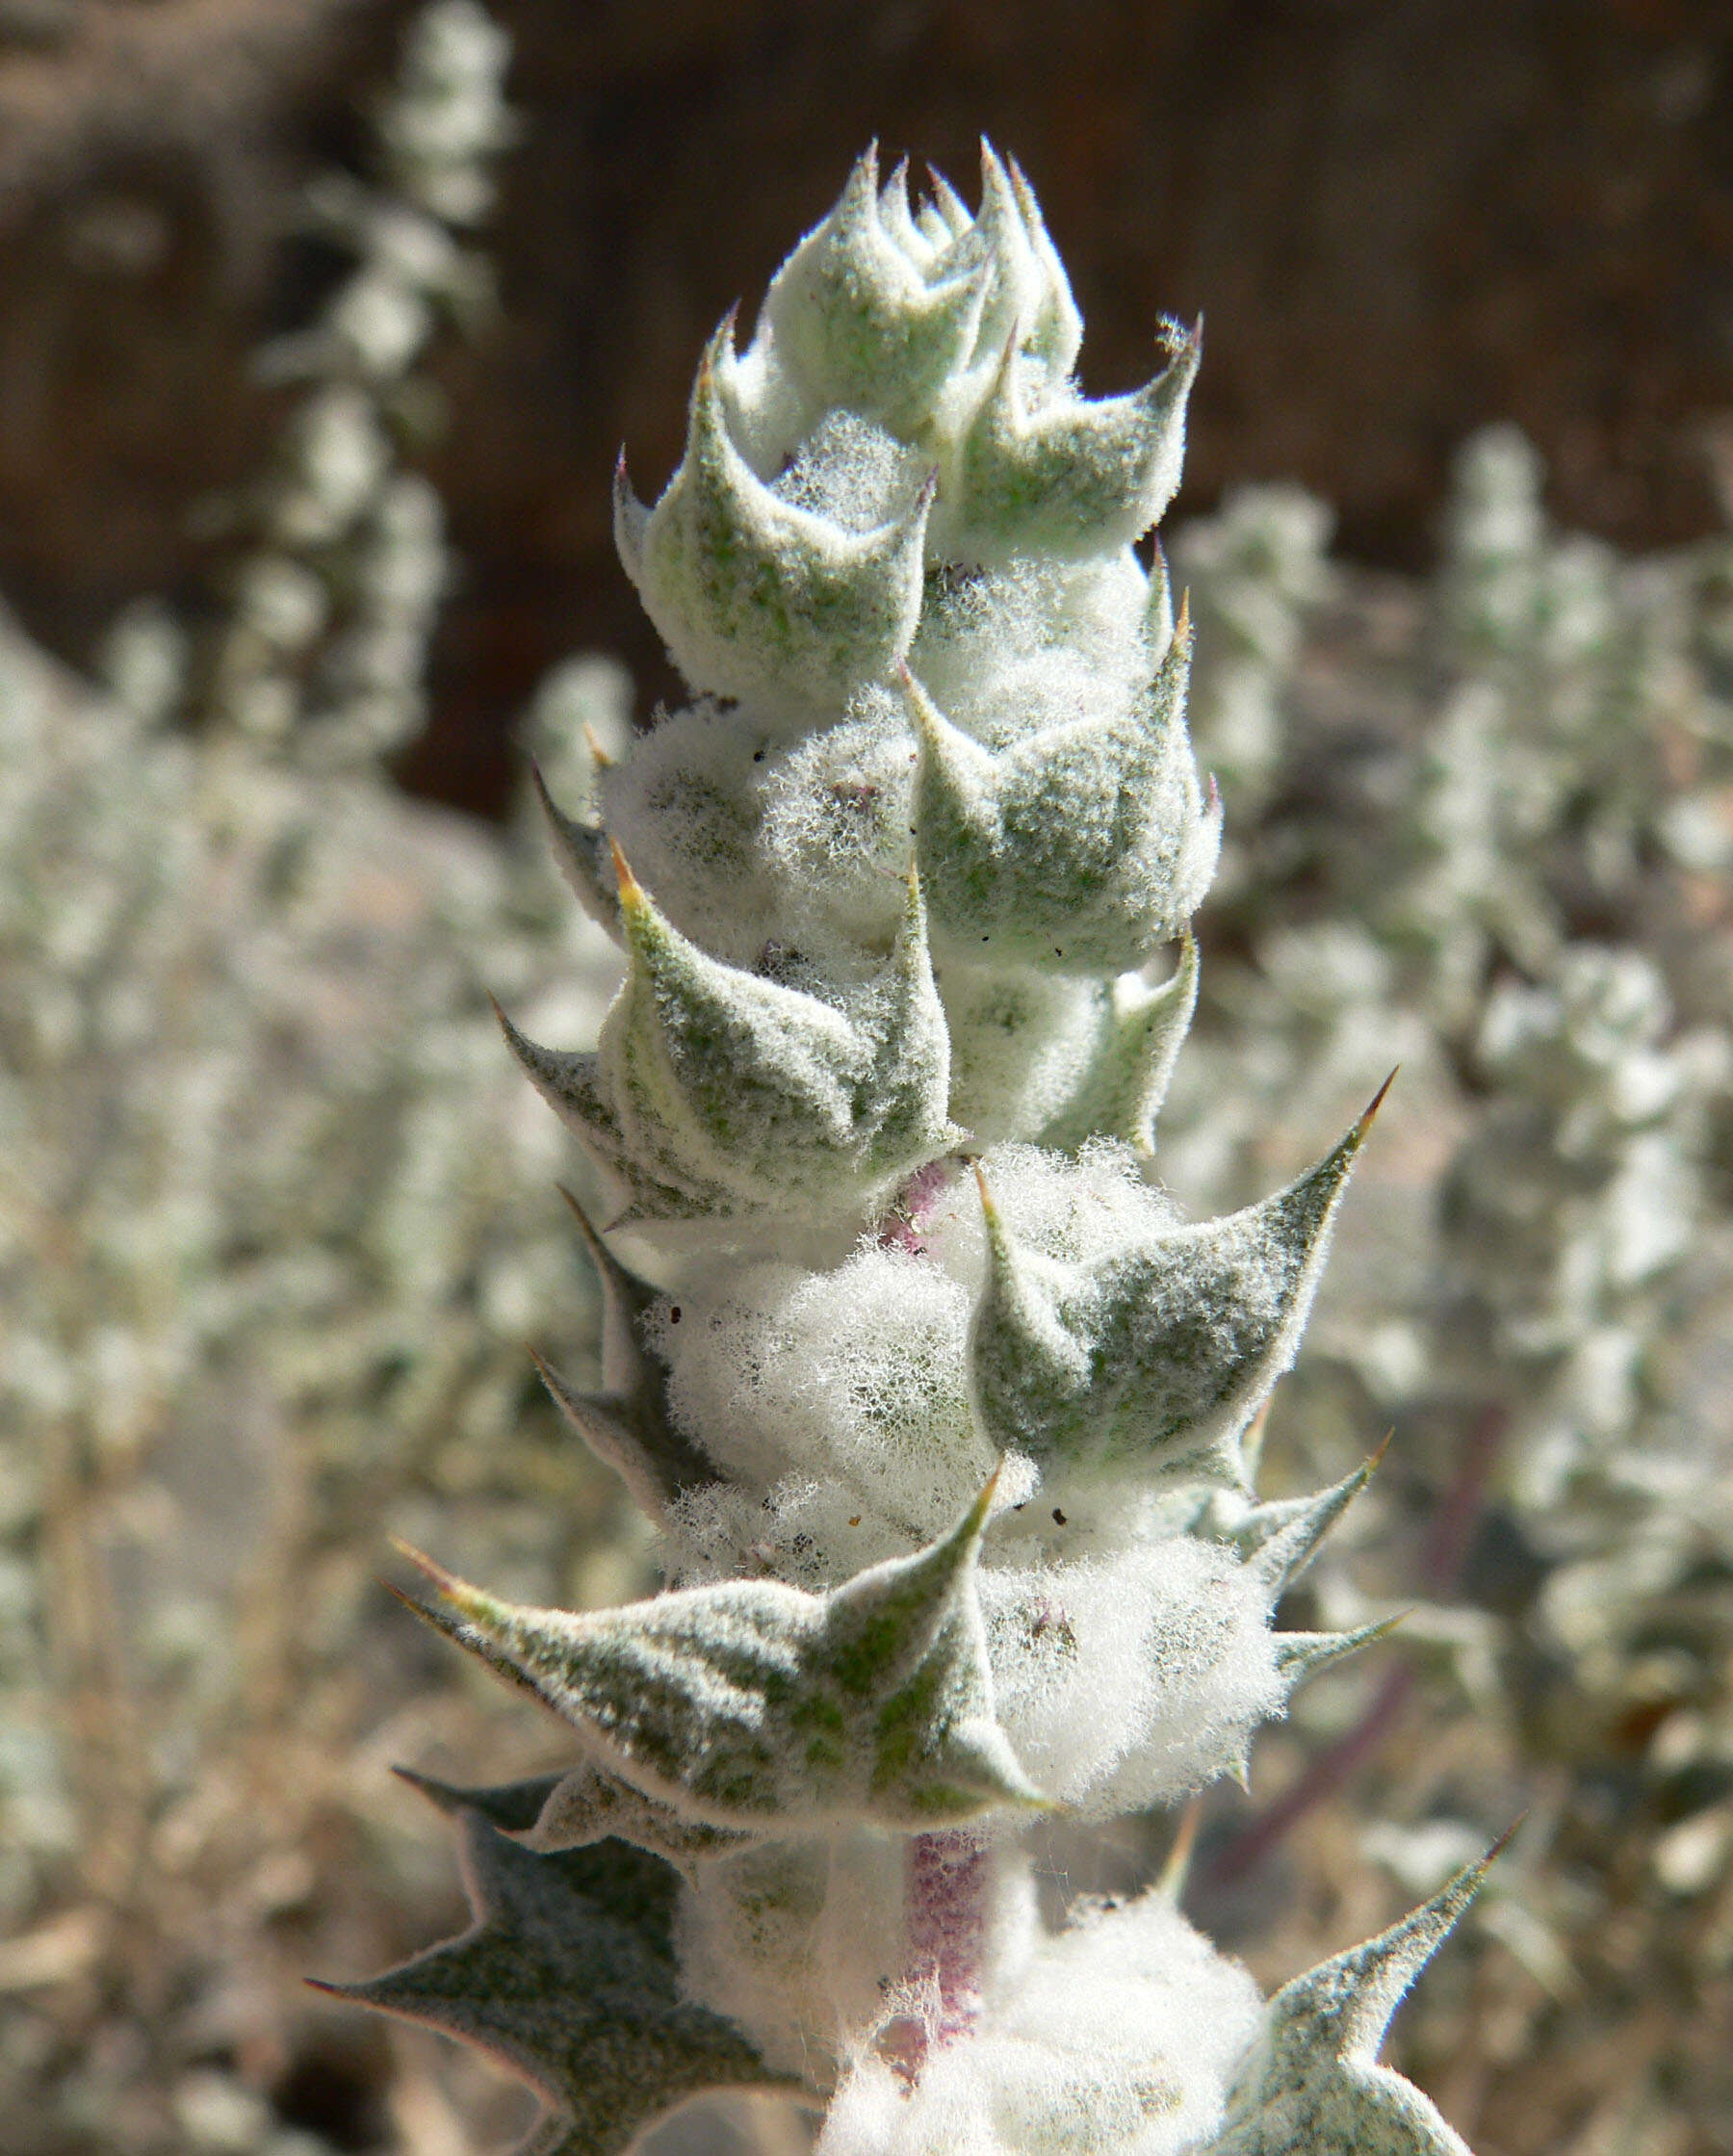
column 1494, row 842
column 274, row 1221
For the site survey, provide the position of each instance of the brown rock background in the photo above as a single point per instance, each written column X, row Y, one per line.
column 1402, row 218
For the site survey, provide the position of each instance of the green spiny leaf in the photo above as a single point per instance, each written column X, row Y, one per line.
column 753, row 1705
column 1122, row 1095
column 1152, row 1361
column 1280, row 1538
column 628, row 1426
column 583, row 854
column 719, row 1078
column 1300, row 1656
column 567, row 1977
column 755, row 596
column 1077, row 850
column 866, row 314
column 1053, row 473
column 589, row 1805
column 1313, row 2082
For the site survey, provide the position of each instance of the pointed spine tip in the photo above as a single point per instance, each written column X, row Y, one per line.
column 592, row 742
column 587, row 1228
column 468, row 1601
column 1376, row 1460
column 1374, row 1104
column 631, row 891
column 1183, row 340
column 1182, row 622
column 517, row 1042
column 439, row 1794
column 429, row 1566
column 415, row 1608
column 544, row 1370
column 922, row 710
column 1503, row 1842
column 981, row 1511
column 990, row 1211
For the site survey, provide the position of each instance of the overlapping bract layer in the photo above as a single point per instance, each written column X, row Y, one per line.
column 897, row 558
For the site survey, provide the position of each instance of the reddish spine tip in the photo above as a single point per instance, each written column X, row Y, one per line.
column 631, row 888
column 1504, row 1841
column 1376, row 1103
column 585, row 1225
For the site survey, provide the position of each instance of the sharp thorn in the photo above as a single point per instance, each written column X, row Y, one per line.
column 1375, row 1104
column 1504, row 1841
column 631, row 890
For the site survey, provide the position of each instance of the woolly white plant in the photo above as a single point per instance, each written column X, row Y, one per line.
column 939, row 1403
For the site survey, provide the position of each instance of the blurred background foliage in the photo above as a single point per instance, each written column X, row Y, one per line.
column 317, row 349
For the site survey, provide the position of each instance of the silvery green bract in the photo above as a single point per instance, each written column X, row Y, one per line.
column 936, row 1398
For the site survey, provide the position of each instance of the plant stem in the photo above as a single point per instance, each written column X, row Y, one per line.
column 948, row 1877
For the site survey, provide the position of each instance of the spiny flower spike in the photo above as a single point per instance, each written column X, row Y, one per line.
column 896, row 563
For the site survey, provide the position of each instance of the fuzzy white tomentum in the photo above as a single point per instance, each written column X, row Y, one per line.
column 949, row 1465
